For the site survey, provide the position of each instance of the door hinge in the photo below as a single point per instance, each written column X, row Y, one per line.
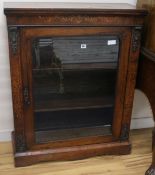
column 26, row 96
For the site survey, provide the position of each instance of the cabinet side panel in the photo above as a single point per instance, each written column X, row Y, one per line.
column 131, row 80
column 16, row 81
column 125, row 39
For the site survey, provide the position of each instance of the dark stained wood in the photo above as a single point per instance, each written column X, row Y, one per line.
column 16, row 82
column 123, row 33
column 146, row 76
column 71, row 153
column 28, row 22
column 146, row 73
column 145, row 82
column 66, row 14
column 131, row 80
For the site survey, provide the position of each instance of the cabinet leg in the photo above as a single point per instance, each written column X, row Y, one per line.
column 151, row 170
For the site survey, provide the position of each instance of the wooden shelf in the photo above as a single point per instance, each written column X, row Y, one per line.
column 78, row 118
column 74, row 133
column 89, row 66
column 70, row 104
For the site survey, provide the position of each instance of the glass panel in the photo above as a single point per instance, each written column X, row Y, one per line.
column 74, row 82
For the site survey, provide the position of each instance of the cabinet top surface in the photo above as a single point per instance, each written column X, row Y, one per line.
column 67, row 5
column 16, row 7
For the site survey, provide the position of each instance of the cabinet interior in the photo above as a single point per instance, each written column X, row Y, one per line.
column 74, row 79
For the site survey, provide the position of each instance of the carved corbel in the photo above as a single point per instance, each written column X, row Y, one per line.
column 13, row 38
column 20, row 143
column 136, row 38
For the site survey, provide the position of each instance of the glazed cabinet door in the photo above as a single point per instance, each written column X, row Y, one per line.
column 74, row 81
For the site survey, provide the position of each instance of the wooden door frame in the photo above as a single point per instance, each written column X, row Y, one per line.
column 29, row 33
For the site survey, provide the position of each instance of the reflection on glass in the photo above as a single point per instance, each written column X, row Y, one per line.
column 74, row 82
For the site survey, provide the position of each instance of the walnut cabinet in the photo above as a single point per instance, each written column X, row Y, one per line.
column 73, row 71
